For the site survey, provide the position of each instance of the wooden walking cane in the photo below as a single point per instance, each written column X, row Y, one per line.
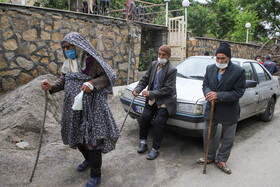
column 41, row 136
column 208, row 137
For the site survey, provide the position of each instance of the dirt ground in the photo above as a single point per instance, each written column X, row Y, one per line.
column 21, row 119
column 253, row 159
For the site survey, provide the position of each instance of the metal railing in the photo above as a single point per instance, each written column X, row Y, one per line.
column 144, row 11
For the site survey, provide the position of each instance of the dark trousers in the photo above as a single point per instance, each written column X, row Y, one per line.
column 95, row 159
column 160, row 117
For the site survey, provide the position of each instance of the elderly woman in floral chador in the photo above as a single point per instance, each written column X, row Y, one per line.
column 93, row 129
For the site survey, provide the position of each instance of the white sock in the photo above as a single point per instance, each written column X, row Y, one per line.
column 143, row 141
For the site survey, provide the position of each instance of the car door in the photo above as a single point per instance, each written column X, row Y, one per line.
column 250, row 98
column 264, row 86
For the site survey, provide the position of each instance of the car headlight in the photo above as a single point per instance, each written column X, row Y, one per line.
column 186, row 108
column 198, row 109
column 128, row 94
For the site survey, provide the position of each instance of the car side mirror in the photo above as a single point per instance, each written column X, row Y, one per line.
column 251, row 84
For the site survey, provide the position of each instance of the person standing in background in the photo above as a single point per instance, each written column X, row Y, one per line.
column 259, row 59
column 269, row 65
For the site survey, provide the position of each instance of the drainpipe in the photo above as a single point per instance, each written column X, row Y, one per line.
column 130, row 36
column 128, row 69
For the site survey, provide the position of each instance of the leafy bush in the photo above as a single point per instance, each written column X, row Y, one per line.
column 146, row 59
column 57, row 4
column 36, row 3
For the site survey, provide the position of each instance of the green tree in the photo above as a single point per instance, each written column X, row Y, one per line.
column 199, row 19
column 117, row 4
column 146, row 58
column 239, row 31
column 223, row 15
column 57, row 4
column 268, row 12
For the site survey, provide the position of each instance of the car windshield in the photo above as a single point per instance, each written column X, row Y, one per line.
column 193, row 67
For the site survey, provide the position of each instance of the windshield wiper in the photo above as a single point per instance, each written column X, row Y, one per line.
column 181, row 75
column 197, row 77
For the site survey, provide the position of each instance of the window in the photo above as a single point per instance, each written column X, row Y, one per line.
column 262, row 75
column 249, row 71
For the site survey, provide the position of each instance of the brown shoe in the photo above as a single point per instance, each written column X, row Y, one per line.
column 224, row 167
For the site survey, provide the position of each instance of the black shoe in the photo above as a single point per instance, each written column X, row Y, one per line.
column 142, row 148
column 152, row 154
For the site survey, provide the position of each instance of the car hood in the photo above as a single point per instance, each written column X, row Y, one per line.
column 188, row 90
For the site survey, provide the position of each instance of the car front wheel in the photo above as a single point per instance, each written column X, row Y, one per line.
column 268, row 114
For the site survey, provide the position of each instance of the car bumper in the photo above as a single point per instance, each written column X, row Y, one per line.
column 194, row 124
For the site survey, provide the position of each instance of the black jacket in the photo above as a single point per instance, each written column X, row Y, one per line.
column 229, row 90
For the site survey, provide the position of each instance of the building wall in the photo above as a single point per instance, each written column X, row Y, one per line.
column 30, row 42
column 198, row 45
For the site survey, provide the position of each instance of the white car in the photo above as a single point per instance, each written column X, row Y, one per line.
column 260, row 97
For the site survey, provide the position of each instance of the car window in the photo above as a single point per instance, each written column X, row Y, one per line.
column 248, row 71
column 193, row 67
column 261, row 73
column 235, row 62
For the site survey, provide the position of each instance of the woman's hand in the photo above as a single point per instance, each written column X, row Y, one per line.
column 46, row 85
column 86, row 88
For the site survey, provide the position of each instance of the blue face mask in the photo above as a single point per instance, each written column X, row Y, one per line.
column 71, row 53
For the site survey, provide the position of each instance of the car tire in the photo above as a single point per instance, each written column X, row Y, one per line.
column 269, row 111
column 218, row 136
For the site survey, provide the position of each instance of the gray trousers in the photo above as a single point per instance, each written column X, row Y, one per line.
column 227, row 141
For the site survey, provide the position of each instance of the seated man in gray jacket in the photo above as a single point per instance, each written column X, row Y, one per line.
column 160, row 100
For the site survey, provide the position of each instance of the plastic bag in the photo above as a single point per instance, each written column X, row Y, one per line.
column 78, row 101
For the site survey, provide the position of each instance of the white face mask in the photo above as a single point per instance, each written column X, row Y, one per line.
column 258, row 60
column 162, row 60
column 221, row 66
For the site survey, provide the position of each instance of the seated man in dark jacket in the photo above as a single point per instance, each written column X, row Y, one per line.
column 160, row 100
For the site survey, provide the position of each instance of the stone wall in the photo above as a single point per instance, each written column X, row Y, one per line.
column 30, row 42
column 198, row 45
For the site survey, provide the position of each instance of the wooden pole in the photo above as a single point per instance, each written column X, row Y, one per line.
column 88, row 6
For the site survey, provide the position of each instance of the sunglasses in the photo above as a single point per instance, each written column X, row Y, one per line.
column 67, row 47
column 221, row 58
